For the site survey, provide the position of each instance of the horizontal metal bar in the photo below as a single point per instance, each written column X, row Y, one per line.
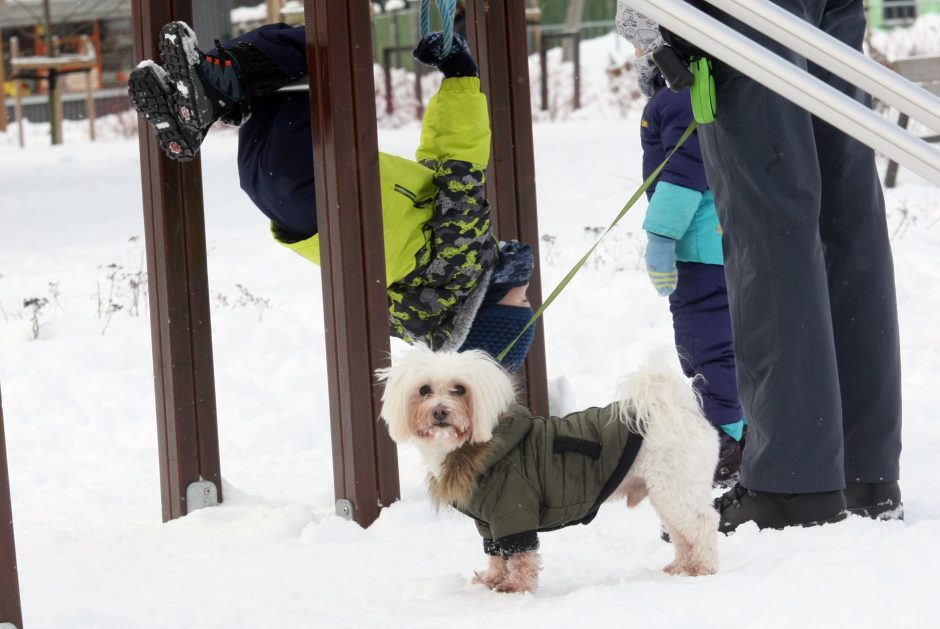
column 835, row 56
column 794, row 84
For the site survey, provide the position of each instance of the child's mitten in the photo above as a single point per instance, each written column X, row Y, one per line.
column 661, row 263
column 458, row 63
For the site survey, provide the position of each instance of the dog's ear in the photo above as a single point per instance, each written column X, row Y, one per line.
column 493, row 390
column 395, row 403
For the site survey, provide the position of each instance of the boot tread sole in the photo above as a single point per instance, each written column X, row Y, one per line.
column 175, row 58
column 150, row 93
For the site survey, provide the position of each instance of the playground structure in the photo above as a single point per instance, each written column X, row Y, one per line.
column 10, row 610
column 3, row 80
column 356, row 311
column 50, row 68
column 343, row 112
column 342, row 106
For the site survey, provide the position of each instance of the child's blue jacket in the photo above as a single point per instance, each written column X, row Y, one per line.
column 680, row 204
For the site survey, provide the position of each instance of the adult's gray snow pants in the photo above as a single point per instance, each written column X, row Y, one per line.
column 810, row 278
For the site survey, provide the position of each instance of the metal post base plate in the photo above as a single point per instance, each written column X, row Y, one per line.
column 201, row 494
column 346, row 509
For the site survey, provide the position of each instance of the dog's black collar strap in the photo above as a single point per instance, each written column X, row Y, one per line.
column 513, row 544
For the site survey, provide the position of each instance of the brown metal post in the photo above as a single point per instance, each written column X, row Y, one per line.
column 387, row 67
column 88, row 48
column 174, row 227
column 543, row 74
column 346, row 169
column 419, row 94
column 90, row 104
column 18, row 102
column 387, row 53
column 576, row 71
column 52, row 50
column 497, row 35
column 562, row 36
column 10, row 609
column 4, row 119
column 274, row 10
column 55, row 97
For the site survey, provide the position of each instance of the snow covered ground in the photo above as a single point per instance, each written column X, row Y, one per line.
column 79, row 409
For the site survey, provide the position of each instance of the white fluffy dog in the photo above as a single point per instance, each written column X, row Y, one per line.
column 517, row 475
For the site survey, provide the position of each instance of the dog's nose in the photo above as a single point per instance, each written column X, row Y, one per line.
column 440, row 414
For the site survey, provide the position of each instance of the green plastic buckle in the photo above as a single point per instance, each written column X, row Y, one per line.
column 703, row 91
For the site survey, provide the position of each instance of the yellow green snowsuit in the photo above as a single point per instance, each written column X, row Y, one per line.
column 439, row 246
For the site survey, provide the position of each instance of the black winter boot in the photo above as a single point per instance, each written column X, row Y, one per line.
column 150, row 90
column 879, row 501
column 192, row 89
column 217, row 85
column 208, row 86
column 776, row 511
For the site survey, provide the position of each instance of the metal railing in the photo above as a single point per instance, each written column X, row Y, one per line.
column 803, row 89
column 74, row 105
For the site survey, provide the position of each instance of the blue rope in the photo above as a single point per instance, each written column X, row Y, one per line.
column 448, row 9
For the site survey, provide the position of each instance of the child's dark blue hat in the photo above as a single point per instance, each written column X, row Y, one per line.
column 497, row 325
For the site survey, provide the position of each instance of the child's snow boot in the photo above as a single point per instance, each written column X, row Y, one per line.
column 729, row 460
column 192, row 89
column 152, row 95
column 208, row 86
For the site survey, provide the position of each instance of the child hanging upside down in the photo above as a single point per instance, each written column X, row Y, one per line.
column 450, row 284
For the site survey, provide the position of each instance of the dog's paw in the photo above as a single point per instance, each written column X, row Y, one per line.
column 674, row 568
column 495, row 574
column 689, row 569
column 698, row 570
column 489, row 578
column 523, row 573
column 515, row 585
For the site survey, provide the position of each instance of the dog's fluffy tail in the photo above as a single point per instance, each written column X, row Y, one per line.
column 658, row 398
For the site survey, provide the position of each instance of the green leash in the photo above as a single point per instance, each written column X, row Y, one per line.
column 577, row 267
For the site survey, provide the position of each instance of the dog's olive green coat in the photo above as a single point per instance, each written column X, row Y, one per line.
column 547, row 473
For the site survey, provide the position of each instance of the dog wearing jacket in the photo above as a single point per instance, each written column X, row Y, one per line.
column 516, row 474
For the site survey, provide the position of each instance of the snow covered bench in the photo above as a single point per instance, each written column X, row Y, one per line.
column 925, row 71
